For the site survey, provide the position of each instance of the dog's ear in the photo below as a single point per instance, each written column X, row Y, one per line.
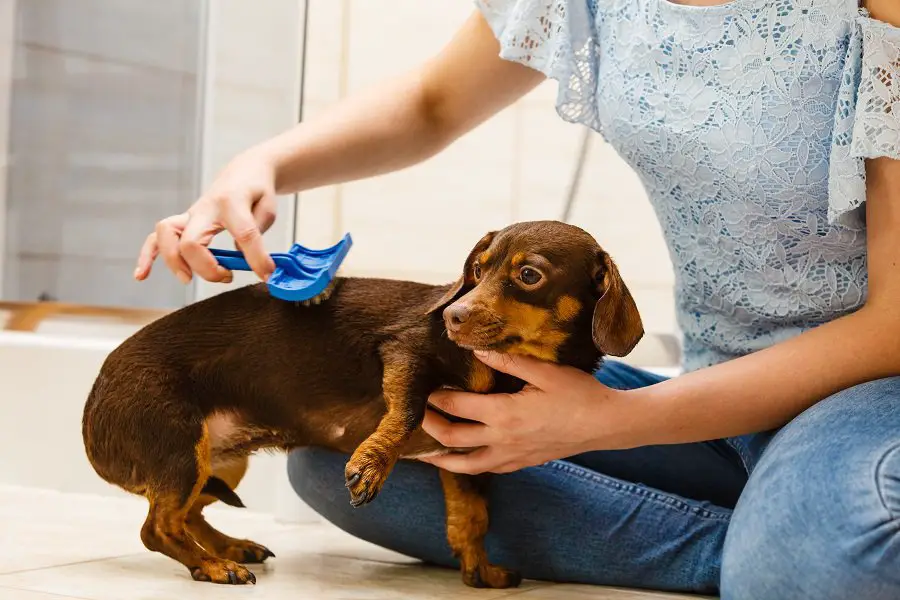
column 617, row 326
column 466, row 281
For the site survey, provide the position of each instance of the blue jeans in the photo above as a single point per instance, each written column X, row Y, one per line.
column 812, row 511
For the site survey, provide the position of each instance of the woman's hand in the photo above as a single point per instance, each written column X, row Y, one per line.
column 241, row 200
column 561, row 412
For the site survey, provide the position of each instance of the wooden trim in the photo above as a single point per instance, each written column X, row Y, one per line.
column 27, row 316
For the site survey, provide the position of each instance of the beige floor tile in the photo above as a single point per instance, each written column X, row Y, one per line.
column 297, row 575
column 41, row 528
column 589, row 592
column 13, row 594
column 55, row 546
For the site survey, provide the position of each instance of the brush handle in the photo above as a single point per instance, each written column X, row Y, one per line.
column 231, row 259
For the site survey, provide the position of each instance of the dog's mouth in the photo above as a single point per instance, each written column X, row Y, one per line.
column 492, row 338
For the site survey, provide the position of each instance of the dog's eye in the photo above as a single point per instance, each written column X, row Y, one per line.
column 530, row 276
column 476, row 271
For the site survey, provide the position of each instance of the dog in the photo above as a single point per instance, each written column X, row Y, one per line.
column 178, row 407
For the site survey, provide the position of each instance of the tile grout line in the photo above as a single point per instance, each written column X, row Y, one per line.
column 68, row 564
column 33, row 591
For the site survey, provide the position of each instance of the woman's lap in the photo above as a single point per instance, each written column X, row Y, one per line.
column 820, row 516
column 558, row 522
column 657, row 517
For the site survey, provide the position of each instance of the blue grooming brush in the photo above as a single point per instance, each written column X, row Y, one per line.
column 301, row 274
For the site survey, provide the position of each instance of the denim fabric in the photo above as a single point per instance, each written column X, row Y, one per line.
column 818, row 518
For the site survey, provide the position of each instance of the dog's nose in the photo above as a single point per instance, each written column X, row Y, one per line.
column 455, row 315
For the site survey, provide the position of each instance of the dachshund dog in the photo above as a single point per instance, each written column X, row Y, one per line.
column 178, row 407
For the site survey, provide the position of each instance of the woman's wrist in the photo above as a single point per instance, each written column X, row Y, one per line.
column 624, row 419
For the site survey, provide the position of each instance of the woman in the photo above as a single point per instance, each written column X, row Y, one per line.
column 767, row 135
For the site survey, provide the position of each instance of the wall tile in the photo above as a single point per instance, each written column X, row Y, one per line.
column 391, row 37
column 101, row 151
column 325, row 45
column 161, row 34
column 257, row 47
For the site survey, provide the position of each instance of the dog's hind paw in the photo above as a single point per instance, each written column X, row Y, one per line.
column 491, row 576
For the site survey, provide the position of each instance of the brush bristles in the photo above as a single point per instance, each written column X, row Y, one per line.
column 321, row 297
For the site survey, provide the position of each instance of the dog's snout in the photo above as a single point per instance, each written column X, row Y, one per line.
column 455, row 315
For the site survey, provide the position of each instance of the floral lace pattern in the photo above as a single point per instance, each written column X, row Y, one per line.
column 748, row 124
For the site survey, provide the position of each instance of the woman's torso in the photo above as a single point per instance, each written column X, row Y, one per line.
column 727, row 114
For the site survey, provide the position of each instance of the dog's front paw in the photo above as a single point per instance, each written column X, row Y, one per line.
column 222, row 571
column 487, row 575
column 366, row 473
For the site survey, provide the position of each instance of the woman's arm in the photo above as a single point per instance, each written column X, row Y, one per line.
column 768, row 388
column 393, row 126
column 404, row 121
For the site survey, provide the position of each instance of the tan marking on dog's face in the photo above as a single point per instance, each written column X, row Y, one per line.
column 539, row 333
column 518, row 259
column 567, row 308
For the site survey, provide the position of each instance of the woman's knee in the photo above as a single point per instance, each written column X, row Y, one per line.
column 313, row 473
column 407, row 516
column 820, row 517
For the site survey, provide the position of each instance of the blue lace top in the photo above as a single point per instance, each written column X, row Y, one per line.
column 748, row 124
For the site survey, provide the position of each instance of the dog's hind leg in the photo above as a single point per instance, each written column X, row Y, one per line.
column 165, row 529
column 467, row 524
column 243, row 551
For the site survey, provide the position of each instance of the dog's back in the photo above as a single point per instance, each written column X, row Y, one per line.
column 280, row 369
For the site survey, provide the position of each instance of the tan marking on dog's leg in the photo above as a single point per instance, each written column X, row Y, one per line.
column 467, row 524
column 165, row 529
column 374, row 459
column 481, row 377
column 213, row 540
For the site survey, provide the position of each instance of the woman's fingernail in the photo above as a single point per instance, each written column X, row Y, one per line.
column 482, row 353
column 184, row 277
column 137, row 272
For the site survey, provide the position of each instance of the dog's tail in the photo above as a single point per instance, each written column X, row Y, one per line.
column 217, row 488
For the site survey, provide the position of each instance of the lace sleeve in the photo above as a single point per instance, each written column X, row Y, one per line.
column 555, row 37
column 867, row 123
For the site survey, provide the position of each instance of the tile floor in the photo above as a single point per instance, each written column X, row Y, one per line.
column 55, row 546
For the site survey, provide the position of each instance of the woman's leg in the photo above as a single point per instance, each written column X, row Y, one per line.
column 561, row 521
column 820, row 516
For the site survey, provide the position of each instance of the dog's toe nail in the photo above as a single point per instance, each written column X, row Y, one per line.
column 232, row 578
column 252, row 578
column 358, row 500
column 353, row 480
column 268, row 553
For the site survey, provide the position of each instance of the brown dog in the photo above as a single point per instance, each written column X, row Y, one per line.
column 179, row 406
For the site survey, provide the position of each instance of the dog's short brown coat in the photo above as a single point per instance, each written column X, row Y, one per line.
column 178, row 407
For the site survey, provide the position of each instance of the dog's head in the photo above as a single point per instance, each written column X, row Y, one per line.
column 533, row 287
